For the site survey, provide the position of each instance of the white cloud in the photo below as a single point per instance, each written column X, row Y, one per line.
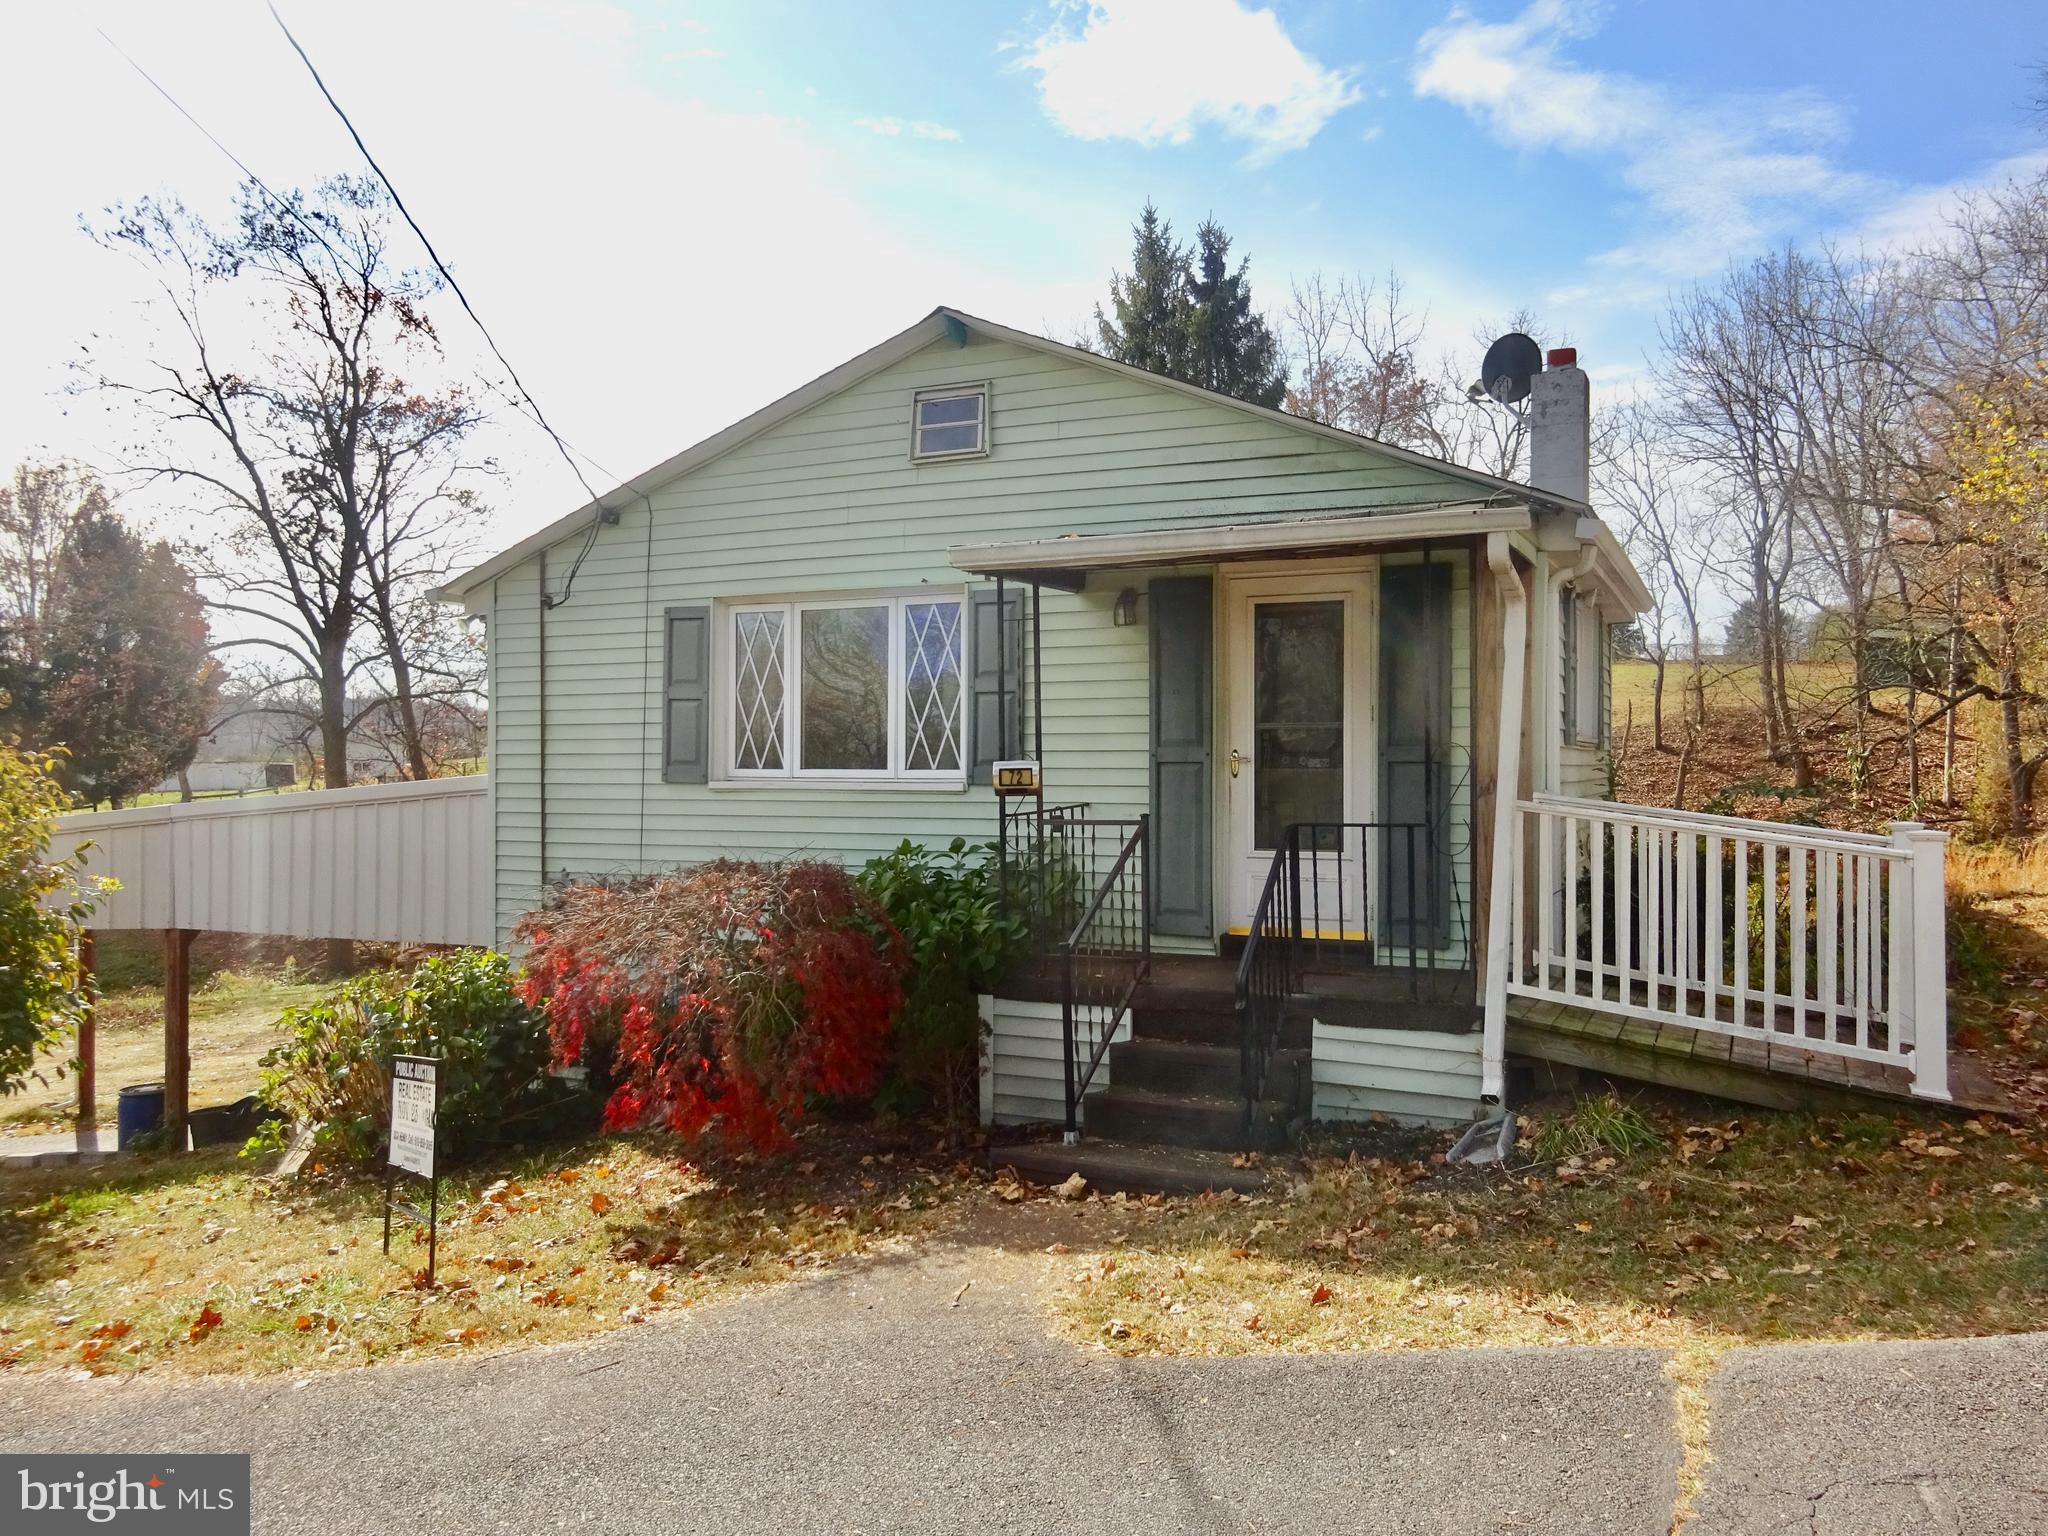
column 1716, row 175
column 1156, row 70
column 682, row 55
column 1917, row 216
column 896, row 127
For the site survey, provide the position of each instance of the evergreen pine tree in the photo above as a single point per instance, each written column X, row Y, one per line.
column 1147, row 325
column 1231, row 349
column 1187, row 314
column 126, row 681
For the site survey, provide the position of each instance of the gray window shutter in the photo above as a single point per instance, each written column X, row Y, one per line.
column 1606, row 684
column 1415, row 729
column 1183, row 691
column 1568, row 651
column 997, row 661
column 686, row 695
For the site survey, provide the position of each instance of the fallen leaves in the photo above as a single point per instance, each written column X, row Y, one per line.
column 205, row 1323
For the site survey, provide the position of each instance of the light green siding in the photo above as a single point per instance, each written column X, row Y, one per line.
column 1413, row 1076
column 829, row 502
column 1023, row 1069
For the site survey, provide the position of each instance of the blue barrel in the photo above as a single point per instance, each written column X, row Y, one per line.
column 138, row 1111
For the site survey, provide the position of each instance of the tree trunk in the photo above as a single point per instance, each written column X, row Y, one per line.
column 1955, row 690
column 1657, row 704
column 339, row 954
column 401, row 688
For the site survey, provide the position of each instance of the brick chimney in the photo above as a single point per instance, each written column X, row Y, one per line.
column 1561, row 427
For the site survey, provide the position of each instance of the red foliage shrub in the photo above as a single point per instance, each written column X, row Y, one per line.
column 733, row 993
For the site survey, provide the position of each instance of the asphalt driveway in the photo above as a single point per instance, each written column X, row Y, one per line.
column 870, row 1400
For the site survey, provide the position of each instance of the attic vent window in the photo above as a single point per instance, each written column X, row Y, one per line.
column 950, row 423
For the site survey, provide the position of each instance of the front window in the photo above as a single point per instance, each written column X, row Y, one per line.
column 848, row 689
column 843, row 690
column 950, row 423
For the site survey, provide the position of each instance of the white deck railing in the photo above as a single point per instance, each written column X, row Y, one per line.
column 402, row 863
column 1832, row 942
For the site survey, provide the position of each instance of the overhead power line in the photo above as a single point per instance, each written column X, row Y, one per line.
column 524, row 398
column 568, row 581
column 284, row 206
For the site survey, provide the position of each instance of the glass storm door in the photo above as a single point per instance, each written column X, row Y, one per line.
column 1290, row 756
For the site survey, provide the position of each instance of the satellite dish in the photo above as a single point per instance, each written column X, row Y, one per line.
column 1510, row 364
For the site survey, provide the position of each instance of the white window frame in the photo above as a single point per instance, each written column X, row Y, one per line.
column 1584, row 651
column 949, row 392
column 894, row 775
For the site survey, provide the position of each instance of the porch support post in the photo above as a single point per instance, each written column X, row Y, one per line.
column 88, row 1031
column 1514, row 620
column 177, row 1034
column 1926, row 935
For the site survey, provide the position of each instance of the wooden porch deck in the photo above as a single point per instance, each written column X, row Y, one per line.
column 1381, row 997
column 1775, row 1074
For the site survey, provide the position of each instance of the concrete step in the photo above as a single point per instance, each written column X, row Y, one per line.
column 1211, row 1122
column 1207, row 1026
column 1110, row 1166
column 1180, row 1066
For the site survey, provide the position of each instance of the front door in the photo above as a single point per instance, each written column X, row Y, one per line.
column 1293, row 748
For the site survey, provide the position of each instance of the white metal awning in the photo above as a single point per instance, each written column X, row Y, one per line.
column 1325, row 532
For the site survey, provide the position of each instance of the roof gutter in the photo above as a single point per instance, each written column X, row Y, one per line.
column 1169, row 546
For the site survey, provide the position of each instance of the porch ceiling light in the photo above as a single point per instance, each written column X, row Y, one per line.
column 1125, row 613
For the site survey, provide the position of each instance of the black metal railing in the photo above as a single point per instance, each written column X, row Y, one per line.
column 1050, row 864
column 1265, row 982
column 1342, row 899
column 1107, row 953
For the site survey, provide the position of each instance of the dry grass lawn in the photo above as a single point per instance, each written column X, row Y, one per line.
column 207, row 1265
column 1738, row 1228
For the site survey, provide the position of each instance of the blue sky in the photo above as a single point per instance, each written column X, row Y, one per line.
column 672, row 213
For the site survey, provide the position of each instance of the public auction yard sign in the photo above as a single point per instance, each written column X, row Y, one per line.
column 415, row 1095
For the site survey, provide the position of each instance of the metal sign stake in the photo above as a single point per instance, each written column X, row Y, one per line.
column 415, row 1101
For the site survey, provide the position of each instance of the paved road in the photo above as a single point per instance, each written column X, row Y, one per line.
column 1850, row 1440
column 867, row 1401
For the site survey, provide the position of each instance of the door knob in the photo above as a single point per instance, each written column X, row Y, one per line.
column 1237, row 758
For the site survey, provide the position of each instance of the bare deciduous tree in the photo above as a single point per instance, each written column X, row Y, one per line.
column 336, row 482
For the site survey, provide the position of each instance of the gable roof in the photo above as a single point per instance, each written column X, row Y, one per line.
column 940, row 323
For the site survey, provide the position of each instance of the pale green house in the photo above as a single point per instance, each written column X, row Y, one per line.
column 1268, row 657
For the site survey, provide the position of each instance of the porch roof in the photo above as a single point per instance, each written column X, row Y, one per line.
column 1072, row 555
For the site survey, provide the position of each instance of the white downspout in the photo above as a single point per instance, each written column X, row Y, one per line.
column 1507, row 779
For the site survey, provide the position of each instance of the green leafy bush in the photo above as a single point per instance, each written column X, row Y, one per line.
column 44, row 901
column 333, row 1070
column 960, row 937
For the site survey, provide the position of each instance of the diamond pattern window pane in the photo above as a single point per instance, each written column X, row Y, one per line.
column 933, row 658
column 757, row 692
